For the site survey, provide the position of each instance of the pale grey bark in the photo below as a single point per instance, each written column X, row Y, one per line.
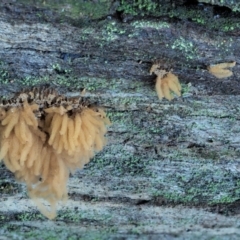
column 170, row 169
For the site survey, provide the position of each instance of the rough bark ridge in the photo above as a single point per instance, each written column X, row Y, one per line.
column 170, row 169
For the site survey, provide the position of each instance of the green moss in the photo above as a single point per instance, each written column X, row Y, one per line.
column 204, row 18
column 80, row 215
column 186, row 47
column 190, row 13
column 111, row 31
column 89, row 217
column 8, row 187
column 4, row 75
column 142, row 7
column 56, row 234
column 70, row 81
column 129, row 164
column 201, row 187
column 34, row 81
column 186, row 88
column 29, row 216
column 75, row 8
column 150, row 24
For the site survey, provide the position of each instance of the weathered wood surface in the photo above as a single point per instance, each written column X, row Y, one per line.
column 170, row 169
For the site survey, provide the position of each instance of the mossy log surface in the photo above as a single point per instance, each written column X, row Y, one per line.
column 170, row 170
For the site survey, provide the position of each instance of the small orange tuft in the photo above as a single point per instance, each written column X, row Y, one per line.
column 220, row 71
column 166, row 82
column 44, row 138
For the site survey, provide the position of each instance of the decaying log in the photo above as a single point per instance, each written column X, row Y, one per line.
column 170, row 168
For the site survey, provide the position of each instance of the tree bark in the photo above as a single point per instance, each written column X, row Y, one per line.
column 170, row 168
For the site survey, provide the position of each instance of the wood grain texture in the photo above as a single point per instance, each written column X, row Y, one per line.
column 169, row 168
